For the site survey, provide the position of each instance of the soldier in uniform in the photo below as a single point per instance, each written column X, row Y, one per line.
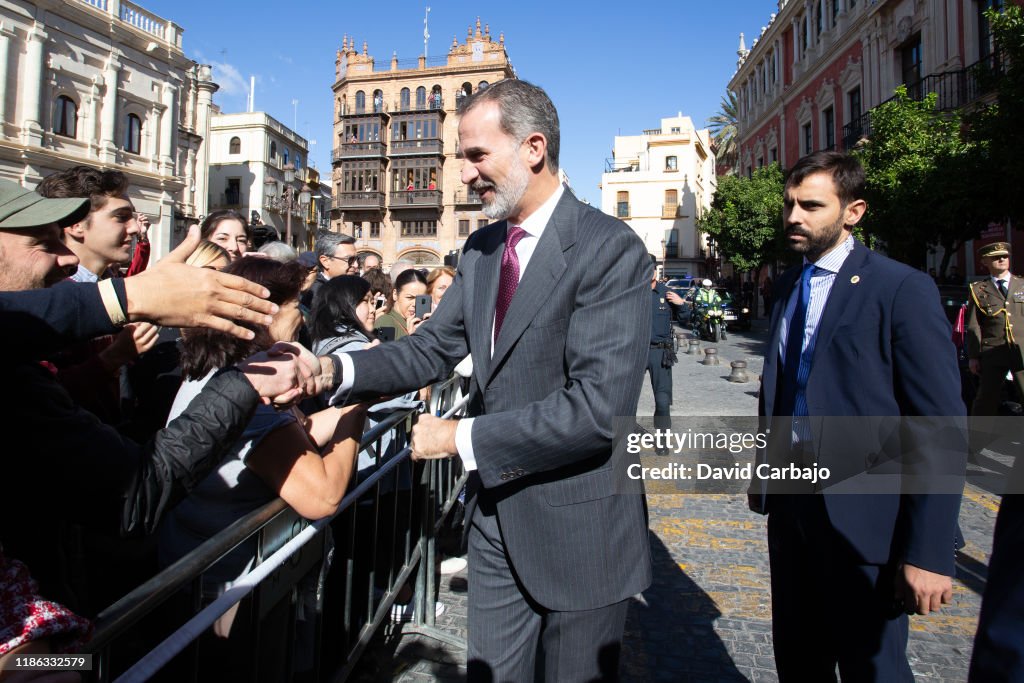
column 994, row 306
column 661, row 356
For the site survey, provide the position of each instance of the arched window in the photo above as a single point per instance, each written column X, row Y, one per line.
column 298, row 161
column 483, row 85
column 421, row 97
column 467, row 89
column 285, row 157
column 360, row 101
column 235, row 146
column 65, row 117
column 403, row 100
column 273, row 152
column 435, row 97
column 378, row 101
column 133, row 134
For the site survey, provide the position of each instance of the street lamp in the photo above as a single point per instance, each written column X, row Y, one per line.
column 289, row 202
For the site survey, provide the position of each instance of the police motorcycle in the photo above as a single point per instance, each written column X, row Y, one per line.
column 708, row 318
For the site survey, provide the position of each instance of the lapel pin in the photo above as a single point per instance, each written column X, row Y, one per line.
column 855, row 279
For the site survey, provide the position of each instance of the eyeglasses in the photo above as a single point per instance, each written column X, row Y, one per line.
column 350, row 260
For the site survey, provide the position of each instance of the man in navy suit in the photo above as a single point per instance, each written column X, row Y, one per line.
column 855, row 334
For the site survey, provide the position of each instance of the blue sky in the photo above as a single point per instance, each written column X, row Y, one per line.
column 610, row 68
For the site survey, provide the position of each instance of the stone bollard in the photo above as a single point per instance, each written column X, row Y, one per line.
column 711, row 357
column 694, row 348
column 739, row 371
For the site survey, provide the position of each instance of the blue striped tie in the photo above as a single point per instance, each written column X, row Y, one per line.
column 794, row 346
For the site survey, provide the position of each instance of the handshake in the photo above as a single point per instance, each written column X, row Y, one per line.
column 287, row 372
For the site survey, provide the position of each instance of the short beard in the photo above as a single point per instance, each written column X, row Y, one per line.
column 507, row 195
column 817, row 245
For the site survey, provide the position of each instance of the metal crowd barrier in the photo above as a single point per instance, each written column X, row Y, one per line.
column 292, row 619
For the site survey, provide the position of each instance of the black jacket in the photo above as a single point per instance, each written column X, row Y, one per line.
column 65, row 471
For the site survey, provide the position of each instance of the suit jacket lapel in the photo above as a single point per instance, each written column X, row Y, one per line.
column 485, row 285
column 546, row 266
column 843, row 289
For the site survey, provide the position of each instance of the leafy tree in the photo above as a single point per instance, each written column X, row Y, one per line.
column 998, row 129
column 919, row 172
column 723, row 131
column 746, row 217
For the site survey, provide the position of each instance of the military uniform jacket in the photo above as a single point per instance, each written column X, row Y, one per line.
column 991, row 320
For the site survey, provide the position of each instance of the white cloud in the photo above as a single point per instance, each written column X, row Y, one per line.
column 227, row 76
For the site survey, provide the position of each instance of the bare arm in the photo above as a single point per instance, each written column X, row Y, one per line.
column 312, row 482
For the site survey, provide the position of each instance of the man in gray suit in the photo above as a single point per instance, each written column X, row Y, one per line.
column 552, row 301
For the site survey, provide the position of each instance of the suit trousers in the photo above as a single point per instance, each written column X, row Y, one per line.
column 998, row 655
column 828, row 608
column 661, row 385
column 996, row 361
column 512, row 639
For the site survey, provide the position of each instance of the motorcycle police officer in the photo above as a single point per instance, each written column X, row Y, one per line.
column 661, row 356
column 994, row 305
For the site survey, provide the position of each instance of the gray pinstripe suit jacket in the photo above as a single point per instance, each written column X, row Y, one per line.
column 570, row 357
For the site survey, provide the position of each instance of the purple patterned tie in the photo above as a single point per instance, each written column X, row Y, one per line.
column 509, row 276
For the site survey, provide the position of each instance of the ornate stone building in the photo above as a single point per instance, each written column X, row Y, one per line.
column 106, row 83
column 395, row 173
column 810, row 79
column 819, row 66
column 660, row 183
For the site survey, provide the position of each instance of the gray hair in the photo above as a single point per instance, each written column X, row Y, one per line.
column 327, row 243
column 279, row 251
column 398, row 267
column 525, row 109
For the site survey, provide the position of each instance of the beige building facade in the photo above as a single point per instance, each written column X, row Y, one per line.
column 396, row 180
column 246, row 150
column 660, row 183
column 106, row 83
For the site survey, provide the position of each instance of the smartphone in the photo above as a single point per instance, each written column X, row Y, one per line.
column 423, row 305
column 385, row 334
column 379, row 303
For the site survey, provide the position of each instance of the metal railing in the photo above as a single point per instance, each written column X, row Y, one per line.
column 370, row 199
column 350, row 150
column 953, row 90
column 292, row 615
column 416, row 146
column 412, row 198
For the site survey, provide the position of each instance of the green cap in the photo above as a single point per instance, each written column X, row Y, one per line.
column 21, row 209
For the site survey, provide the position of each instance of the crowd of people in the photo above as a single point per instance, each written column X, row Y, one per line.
column 157, row 404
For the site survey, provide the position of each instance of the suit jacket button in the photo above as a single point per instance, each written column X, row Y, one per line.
column 504, row 476
column 520, row 473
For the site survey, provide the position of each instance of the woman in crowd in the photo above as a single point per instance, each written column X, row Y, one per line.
column 306, row 460
column 380, row 286
column 438, row 282
column 401, row 311
column 228, row 229
column 343, row 317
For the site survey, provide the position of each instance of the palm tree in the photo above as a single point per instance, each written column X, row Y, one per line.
column 723, row 131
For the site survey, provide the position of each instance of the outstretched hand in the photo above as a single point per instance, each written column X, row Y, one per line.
column 177, row 295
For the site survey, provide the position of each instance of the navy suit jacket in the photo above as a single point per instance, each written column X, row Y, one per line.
column 883, row 348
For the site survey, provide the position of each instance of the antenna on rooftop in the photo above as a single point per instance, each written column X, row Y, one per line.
column 426, row 33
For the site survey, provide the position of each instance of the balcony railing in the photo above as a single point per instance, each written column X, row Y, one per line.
column 464, row 196
column 410, row 199
column 620, row 166
column 669, row 210
column 230, row 200
column 359, row 200
column 432, row 103
column 953, row 90
column 412, row 147
column 140, row 18
column 671, row 251
column 351, row 150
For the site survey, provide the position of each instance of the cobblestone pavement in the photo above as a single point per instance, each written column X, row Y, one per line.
column 707, row 616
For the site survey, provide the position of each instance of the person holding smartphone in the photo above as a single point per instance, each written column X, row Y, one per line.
column 400, row 313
